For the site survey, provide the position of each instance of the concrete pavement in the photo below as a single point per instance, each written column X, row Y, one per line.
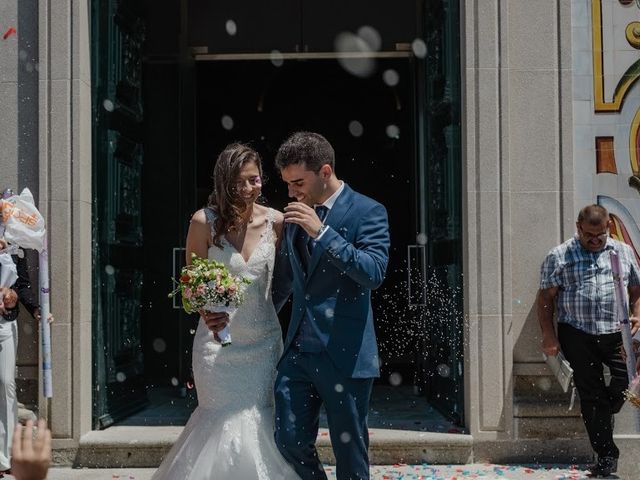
column 380, row 472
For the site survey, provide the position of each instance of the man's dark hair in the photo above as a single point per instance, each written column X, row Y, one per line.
column 309, row 148
column 593, row 215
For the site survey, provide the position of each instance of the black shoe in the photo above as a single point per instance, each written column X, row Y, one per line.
column 604, row 467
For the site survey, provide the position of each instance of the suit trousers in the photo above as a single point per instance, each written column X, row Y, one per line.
column 8, row 400
column 598, row 402
column 306, row 381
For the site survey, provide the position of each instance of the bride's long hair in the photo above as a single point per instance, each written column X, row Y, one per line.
column 224, row 199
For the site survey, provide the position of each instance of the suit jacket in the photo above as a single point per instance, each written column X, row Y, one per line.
column 334, row 286
column 23, row 286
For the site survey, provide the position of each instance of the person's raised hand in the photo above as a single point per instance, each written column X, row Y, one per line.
column 30, row 457
column 37, row 314
column 303, row 215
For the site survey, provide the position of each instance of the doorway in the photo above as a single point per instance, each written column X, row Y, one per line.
column 396, row 135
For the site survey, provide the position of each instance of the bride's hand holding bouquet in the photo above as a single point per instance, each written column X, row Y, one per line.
column 207, row 285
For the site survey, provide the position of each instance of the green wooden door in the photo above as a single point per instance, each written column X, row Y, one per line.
column 117, row 38
column 440, row 197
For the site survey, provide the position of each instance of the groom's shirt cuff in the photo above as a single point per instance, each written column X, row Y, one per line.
column 322, row 232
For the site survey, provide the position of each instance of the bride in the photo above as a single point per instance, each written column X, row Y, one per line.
column 230, row 433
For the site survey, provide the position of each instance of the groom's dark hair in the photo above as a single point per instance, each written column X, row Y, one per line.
column 309, row 148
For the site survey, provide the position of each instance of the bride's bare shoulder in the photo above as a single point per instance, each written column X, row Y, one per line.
column 200, row 217
column 278, row 217
column 278, row 221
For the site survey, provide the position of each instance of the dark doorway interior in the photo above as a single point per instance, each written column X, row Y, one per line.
column 396, row 141
column 371, row 126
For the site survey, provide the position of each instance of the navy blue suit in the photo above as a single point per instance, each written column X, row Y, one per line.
column 330, row 351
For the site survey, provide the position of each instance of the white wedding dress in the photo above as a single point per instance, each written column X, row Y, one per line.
column 230, row 433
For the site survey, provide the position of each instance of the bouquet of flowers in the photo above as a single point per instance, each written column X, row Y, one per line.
column 208, row 285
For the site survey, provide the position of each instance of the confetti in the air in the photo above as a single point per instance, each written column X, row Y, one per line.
column 9, row 32
column 419, row 48
column 391, row 77
column 227, row 122
column 355, row 128
column 107, row 105
column 276, row 58
column 354, row 56
column 231, row 27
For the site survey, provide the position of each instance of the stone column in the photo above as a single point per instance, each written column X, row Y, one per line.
column 19, row 155
column 65, row 198
column 518, row 173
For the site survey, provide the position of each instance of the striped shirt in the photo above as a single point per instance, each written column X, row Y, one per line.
column 586, row 294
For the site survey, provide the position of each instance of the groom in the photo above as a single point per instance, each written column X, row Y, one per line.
column 334, row 252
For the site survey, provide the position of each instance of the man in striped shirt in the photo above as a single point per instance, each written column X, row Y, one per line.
column 576, row 279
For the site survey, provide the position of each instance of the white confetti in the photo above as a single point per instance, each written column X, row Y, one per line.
column 393, row 131
column 419, row 48
column 371, row 36
column 355, row 128
column 227, row 122
column 159, row 345
column 347, row 42
column 277, row 58
column 231, row 27
column 395, row 379
column 391, row 77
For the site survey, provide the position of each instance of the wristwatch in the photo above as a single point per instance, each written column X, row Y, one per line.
column 321, row 230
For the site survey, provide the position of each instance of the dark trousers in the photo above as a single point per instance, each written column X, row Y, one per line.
column 306, row 381
column 587, row 353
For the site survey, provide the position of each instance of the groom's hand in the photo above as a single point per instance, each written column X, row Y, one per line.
column 303, row 215
column 215, row 321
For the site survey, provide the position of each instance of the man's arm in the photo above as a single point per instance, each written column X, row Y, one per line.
column 546, row 305
column 366, row 260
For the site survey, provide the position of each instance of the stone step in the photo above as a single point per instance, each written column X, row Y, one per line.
column 140, row 447
column 144, row 447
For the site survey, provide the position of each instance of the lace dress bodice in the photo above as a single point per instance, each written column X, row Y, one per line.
column 246, row 368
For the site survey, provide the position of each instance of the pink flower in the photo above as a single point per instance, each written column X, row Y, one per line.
column 201, row 289
column 187, row 293
column 220, row 289
column 233, row 287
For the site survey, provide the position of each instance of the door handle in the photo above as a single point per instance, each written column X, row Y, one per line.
column 417, row 275
column 178, row 263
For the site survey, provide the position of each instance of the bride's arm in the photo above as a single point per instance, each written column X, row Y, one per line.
column 278, row 226
column 198, row 236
